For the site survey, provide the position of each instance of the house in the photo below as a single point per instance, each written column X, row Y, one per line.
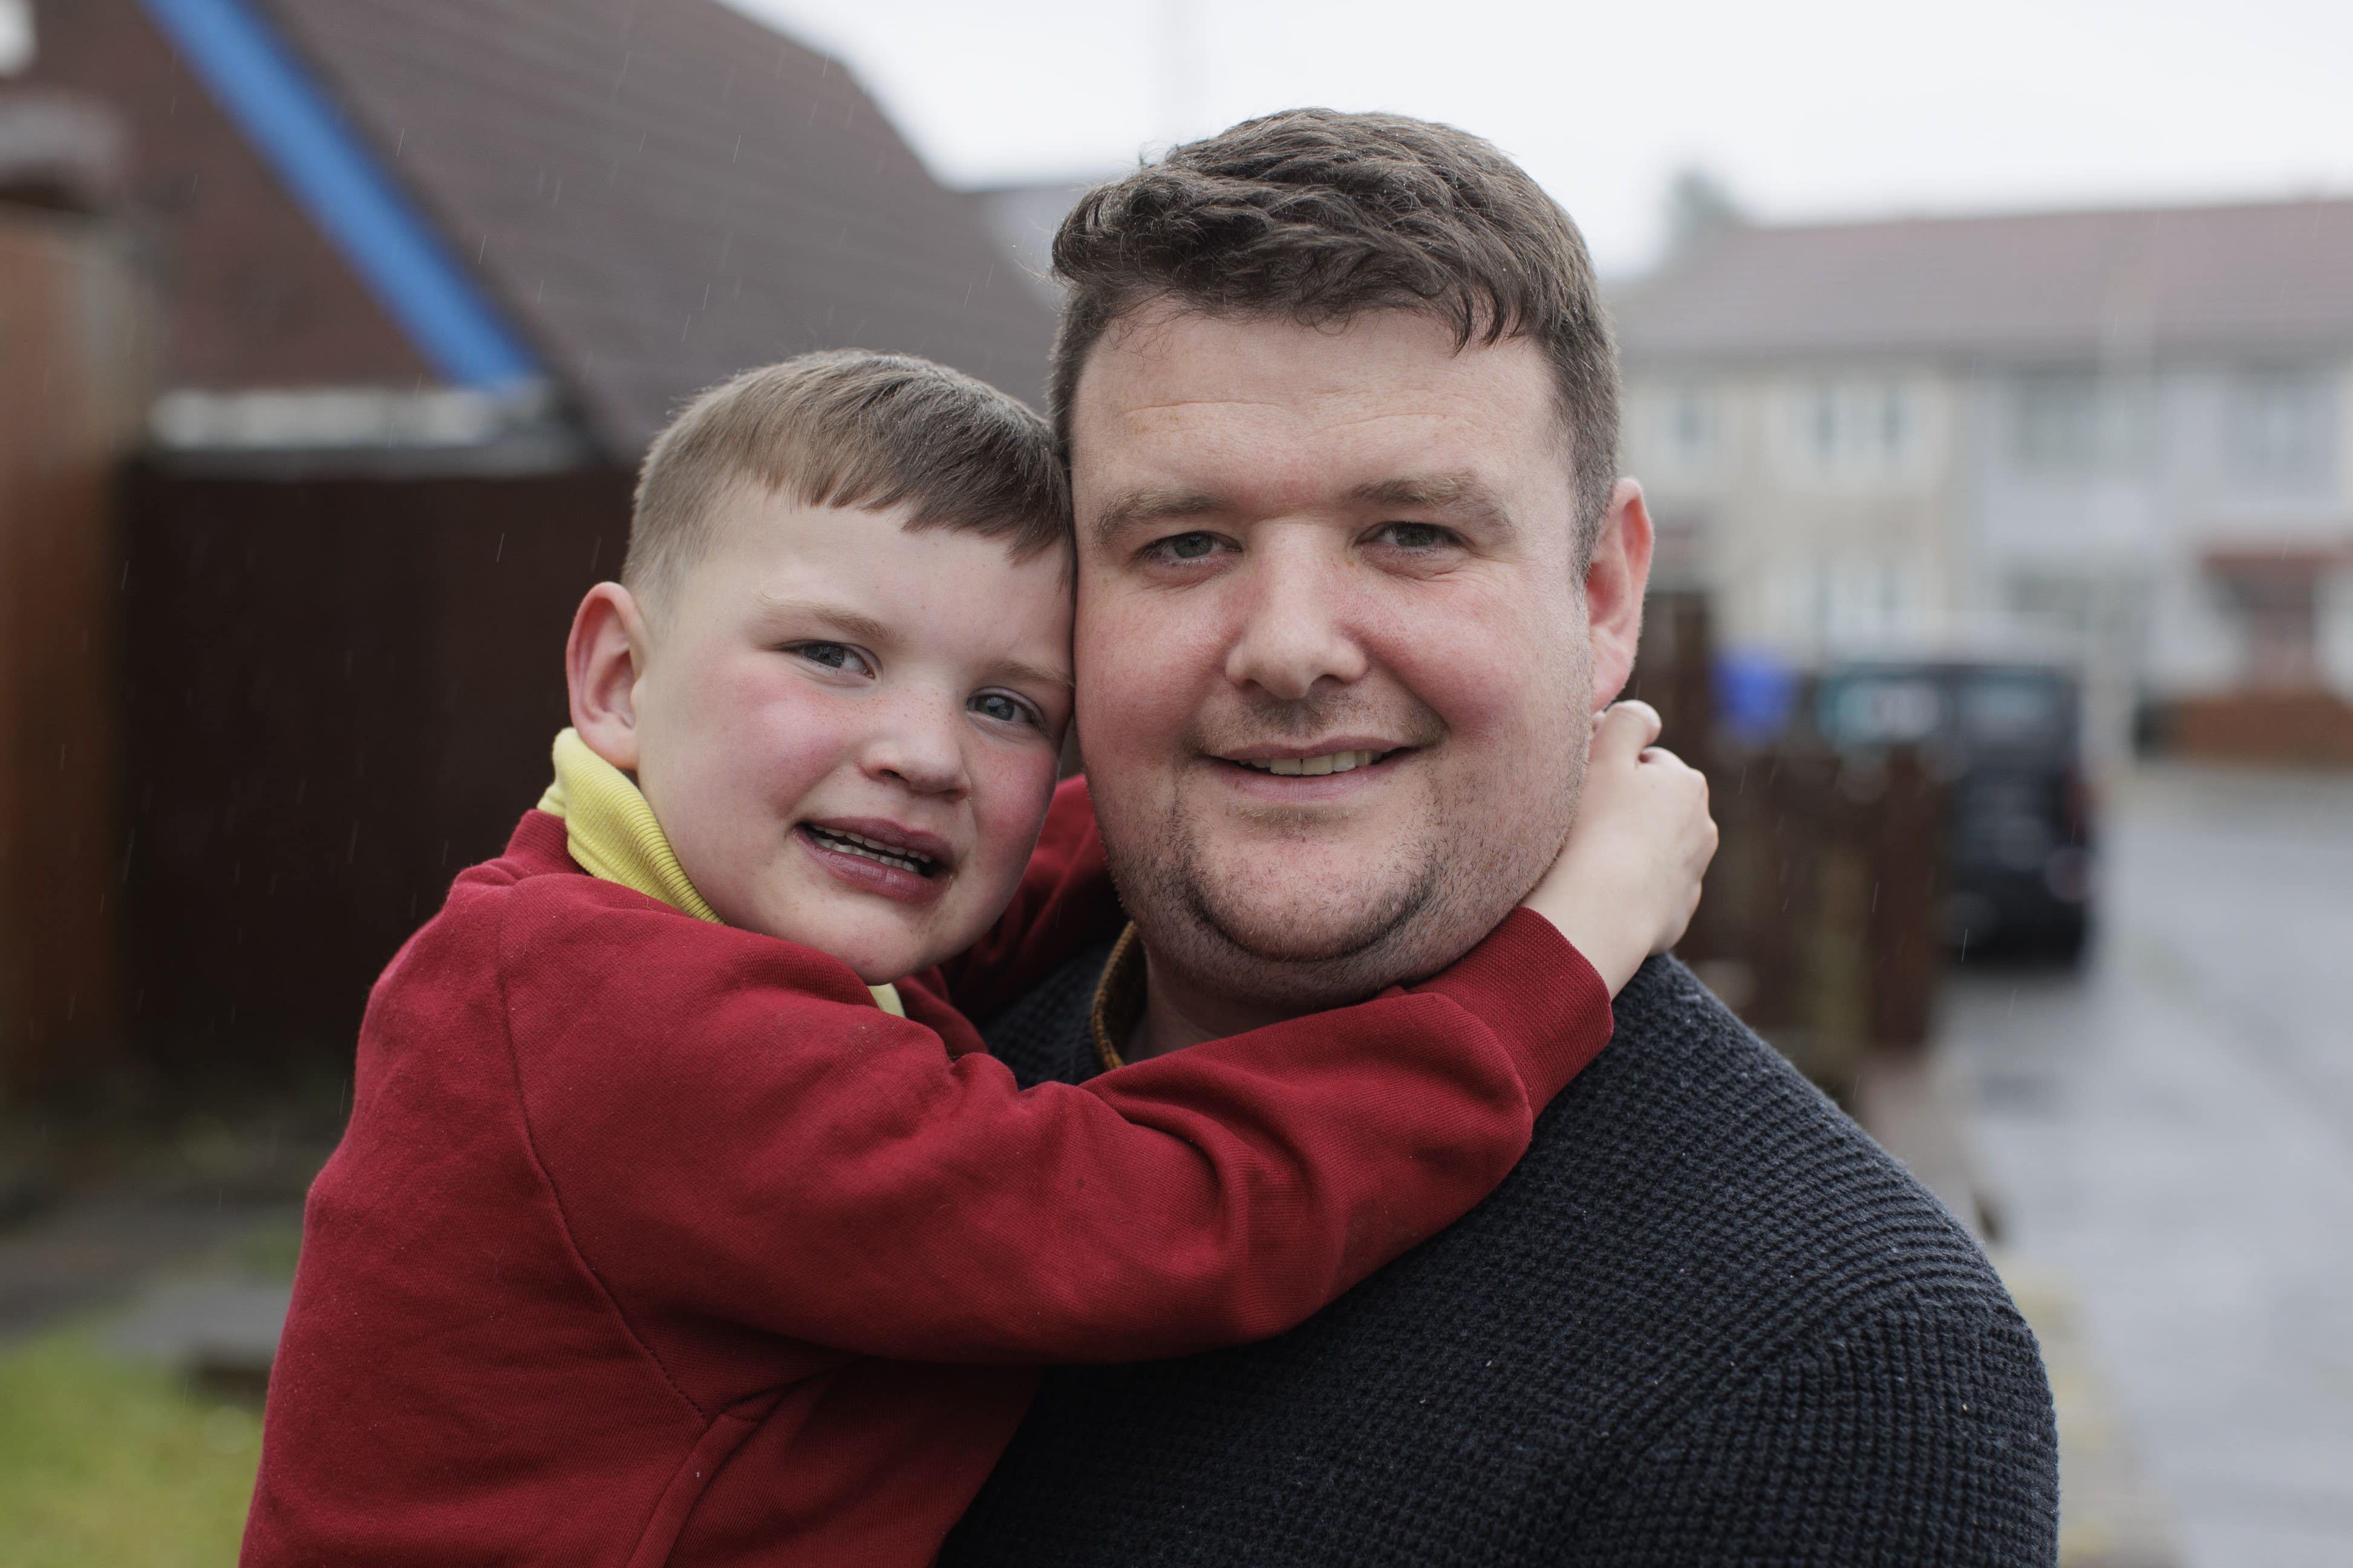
column 598, row 207
column 2123, row 438
column 426, row 276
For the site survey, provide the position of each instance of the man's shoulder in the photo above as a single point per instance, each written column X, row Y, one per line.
column 1693, row 1222
column 1688, row 1181
column 1689, row 1209
column 1687, row 1132
column 1692, row 1132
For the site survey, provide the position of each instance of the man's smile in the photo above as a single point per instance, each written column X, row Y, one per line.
column 1299, row 771
column 1317, row 764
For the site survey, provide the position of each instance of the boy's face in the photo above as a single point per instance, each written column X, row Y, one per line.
column 849, row 732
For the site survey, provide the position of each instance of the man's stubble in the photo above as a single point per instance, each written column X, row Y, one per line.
column 1284, row 949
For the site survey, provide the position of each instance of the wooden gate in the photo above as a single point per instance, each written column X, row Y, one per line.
column 73, row 388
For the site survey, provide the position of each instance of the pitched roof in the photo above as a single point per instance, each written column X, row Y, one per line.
column 2261, row 278
column 409, row 267
column 660, row 192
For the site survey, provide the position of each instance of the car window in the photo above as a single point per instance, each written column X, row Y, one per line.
column 1881, row 709
column 2013, row 709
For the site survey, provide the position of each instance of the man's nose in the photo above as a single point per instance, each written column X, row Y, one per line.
column 920, row 745
column 1294, row 630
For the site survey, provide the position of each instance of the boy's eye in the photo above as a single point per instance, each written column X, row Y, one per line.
column 834, row 655
column 1005, row 709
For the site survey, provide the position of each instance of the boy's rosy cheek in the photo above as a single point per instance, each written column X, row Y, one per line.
column 1024, row 787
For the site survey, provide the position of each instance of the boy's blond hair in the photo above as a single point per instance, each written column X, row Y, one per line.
column 849, row 428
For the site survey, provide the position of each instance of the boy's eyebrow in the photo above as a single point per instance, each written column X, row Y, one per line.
column 865, row 628
column 1035, row 674
column 849, row 623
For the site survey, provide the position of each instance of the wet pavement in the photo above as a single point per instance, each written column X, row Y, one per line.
column 2168, row 1138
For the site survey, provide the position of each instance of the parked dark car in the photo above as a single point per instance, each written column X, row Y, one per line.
column 2006, row 739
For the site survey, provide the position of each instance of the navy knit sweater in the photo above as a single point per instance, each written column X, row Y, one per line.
column 1707, row 1320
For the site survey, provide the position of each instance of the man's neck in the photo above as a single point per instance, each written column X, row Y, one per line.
column 1176, row 1015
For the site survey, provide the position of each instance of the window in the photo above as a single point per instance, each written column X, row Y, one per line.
column 2274, row 599
column 1690, row 429
column 2014, row 709
column 1683, row 428
column 1881, row 709
column 2078, row 422
column 16, row 36
column 2277, row 428
column 1854, row 603
column 1855, row 429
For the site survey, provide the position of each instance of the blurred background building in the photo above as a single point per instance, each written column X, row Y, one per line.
column 2118, row 437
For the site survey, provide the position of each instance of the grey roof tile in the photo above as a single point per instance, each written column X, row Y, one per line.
column 2270, row 277
column 661, row 193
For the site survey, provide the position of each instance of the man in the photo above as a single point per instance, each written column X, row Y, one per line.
column 1353, row 568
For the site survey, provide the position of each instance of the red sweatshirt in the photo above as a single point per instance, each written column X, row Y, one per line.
column 644, row 1229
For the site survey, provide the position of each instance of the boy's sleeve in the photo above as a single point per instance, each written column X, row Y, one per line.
column 750, row 1140
column 1064, row 903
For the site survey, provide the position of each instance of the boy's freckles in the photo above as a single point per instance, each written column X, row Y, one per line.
column 849, row 732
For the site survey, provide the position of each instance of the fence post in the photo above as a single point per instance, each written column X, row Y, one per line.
column 70, row 402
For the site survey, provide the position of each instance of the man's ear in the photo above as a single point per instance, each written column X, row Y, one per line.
column 602, row 662
column 1615, row 580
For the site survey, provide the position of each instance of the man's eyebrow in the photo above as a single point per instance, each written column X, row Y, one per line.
column 1154, row 503
column 1462, row 495
column 849, row 623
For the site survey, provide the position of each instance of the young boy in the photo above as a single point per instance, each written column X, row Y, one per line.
column 681, row 1216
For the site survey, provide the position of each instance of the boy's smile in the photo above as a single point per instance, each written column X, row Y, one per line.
column 848, row 732
column 879, row 857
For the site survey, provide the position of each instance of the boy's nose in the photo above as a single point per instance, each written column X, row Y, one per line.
column 921, row 751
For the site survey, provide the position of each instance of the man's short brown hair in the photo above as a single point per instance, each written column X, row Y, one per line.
column 850, row 428
column 1314, row 214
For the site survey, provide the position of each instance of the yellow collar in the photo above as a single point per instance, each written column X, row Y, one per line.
column 611, row 832
column 1119, row 999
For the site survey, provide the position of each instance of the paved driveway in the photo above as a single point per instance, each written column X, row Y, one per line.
column 2171, row 1134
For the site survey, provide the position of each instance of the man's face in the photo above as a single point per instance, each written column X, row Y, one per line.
column 1335, row 677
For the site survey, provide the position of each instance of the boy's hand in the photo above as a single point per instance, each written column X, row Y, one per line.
column 1628, row 879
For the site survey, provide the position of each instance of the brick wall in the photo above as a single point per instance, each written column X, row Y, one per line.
column 253, row 293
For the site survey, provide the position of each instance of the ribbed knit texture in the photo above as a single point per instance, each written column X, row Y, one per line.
column 610, row 829
column 1707, row 1320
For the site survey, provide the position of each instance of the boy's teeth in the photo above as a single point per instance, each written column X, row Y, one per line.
column 1313, row 767
column 856, row 844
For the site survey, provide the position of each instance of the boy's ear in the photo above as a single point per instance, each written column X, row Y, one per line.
column 602, row 662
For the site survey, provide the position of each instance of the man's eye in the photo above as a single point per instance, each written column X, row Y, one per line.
column 1417, row 535
column 833, row 655
column 1186, row 546
column 1006, row 709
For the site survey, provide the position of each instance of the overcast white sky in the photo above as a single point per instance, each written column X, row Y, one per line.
column 1804, row 108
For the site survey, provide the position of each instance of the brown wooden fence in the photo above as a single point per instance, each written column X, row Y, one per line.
column 340, row 692
column 1820, row 918
column 72, row 390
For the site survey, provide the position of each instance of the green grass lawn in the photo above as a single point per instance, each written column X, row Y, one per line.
column 109, row 1464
